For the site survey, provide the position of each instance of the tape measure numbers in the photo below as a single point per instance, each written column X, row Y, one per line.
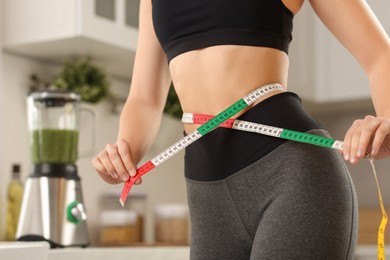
column 198, row 133
column 267, row 130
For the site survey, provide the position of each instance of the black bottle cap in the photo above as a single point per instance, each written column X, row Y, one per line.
column 16, row 171
column 16, row 168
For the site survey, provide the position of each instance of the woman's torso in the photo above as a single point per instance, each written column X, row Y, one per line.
column 210, row 79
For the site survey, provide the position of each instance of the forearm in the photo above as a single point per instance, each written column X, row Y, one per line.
column 379, row 77
column 139, row 125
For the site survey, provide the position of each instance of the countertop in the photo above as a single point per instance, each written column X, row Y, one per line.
column 119, row 253
column 41, row 251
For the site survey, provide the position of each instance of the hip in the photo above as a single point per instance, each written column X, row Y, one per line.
column 223, row 152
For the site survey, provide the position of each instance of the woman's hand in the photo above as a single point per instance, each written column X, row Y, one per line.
column 114, row 163
column 370, row 135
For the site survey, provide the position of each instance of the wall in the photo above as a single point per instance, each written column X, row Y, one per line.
column 2, row 150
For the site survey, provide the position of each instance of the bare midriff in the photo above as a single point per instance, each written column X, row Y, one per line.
column 209, row 80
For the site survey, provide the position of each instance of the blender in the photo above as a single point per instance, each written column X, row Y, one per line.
column 52, row 206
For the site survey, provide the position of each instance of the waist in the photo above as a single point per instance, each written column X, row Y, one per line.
column 211, row 79
column 223, row 151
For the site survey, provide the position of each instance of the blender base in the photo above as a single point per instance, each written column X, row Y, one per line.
column 52, row 210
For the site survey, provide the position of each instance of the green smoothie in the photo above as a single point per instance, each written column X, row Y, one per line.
column 54, row 146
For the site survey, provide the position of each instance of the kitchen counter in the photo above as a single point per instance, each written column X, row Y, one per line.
column 119, row 253
column 367, row 252
column 24, row 250
column 41, row 251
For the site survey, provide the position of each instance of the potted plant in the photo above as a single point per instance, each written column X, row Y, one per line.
column 84, row 78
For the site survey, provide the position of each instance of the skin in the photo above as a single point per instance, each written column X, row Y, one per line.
column 210, row 79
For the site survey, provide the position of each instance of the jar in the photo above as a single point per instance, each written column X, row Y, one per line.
column 171, row 224
column 120, row 228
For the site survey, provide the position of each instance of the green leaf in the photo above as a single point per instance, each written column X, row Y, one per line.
column 84, row 78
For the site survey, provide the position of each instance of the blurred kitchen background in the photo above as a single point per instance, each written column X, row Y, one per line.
column 38, row 36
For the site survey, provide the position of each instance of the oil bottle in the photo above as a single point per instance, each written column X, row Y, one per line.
column 14, row 201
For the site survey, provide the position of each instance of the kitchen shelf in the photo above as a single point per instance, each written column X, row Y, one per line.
column 56, row 30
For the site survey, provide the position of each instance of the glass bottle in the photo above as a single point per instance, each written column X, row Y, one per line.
column 14, row 200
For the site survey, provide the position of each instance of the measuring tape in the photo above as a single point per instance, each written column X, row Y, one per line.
column 382, row 226
column 297, row 137
column 198, row 133
column 266, row 130
column 209, row 123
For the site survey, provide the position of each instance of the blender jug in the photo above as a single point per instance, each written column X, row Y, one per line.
column 53, row 125
column 52, row 207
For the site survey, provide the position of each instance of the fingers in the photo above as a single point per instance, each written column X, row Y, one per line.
column 125, row 153
column 363, row 134
column 101, row 170
column 381, row 133
column 348, row 140
column 139, row 181
column 114, row 163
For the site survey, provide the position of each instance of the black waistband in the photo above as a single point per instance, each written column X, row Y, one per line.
column 223, row 151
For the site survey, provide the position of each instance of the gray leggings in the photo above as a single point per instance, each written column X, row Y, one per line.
column 296, row 202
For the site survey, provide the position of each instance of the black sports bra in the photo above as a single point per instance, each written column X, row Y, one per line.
column 185, row 25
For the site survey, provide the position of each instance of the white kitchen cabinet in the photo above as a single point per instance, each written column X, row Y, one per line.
column 321, row 69
column 55, row 30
